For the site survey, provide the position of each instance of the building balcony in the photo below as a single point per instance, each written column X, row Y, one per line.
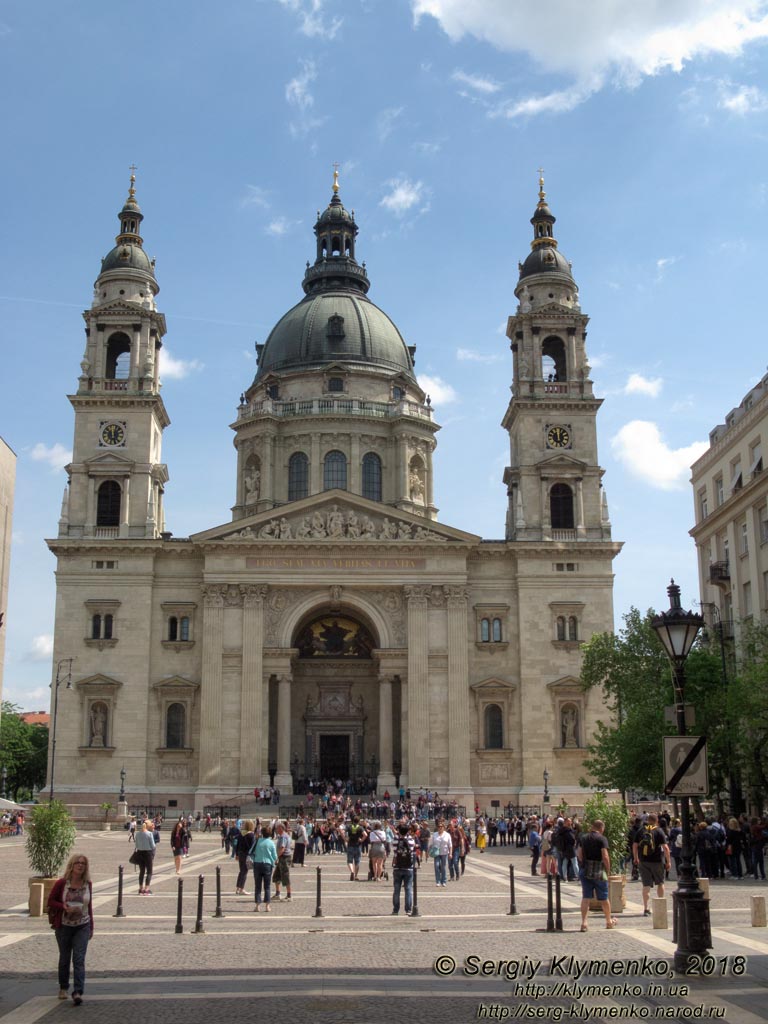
column 719, row 574
column 334, row 407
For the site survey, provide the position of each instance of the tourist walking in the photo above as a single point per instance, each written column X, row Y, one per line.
column 70, row 910
column 594, row 868
column 244, row 847
column 440, row 849
column 264, row 857
column 177, row 844
column 144, row 856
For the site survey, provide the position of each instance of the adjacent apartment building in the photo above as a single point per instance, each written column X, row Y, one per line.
column 730, row 487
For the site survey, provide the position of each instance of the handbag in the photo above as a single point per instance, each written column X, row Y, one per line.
column 134, row 858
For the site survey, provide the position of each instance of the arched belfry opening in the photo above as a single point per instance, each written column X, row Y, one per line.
column 335, row 702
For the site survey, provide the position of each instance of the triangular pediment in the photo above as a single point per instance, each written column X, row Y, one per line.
column 493, row 685
column 336, row 517
column 109, row 458
column 562, row 462
column 98, row 683
column 565, row 683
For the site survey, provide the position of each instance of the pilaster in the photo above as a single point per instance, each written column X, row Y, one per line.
column 210, row 697
column 418, row 685
column 458, row 689
column 251, row 698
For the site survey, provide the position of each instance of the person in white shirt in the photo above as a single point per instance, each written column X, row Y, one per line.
column 440, row 848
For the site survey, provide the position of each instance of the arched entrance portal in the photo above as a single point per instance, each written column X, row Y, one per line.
column 344, row 715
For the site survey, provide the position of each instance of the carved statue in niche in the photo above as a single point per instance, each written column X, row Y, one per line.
column 252, row 481
column 569, row 723
column 416, row 483
column 98, row 724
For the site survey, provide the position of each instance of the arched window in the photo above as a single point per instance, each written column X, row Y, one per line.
column 173, row 628
column 108, row 504
column 335, row 471
column 175, row 721
column 573, row 628
column 118, row 357
column 494, row 732
column 372, row 476
column 561, row 507
column 553, row 363
column 497, row 631
column 485, row 630
column 561, row 627
column 298, row 476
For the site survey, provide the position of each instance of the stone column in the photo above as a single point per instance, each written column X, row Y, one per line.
column 134, row 371
column 354, row 482
column 125, row 506
column 580, row 528
column 430, row 478
column 546, row 517
column 315, row 469
column 268, row 468
column 418, row 686
column 283, row 778
column 458, row 690
column 252, row 737
column 402, row 469
column 211, row 687
column 386, row 777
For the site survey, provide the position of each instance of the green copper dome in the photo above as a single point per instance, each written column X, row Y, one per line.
column 335, row 322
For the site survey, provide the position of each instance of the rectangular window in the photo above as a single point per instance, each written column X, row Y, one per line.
column 747, row 599
column 744, row 539
column 719, row 492
column 703, row 512
column 755, row 459
column 736, row 478
column 764, row 525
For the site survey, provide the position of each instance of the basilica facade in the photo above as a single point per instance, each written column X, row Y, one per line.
column 333, row 627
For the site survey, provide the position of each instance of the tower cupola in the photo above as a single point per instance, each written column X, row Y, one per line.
column 546, row 274
column 126, row 271
column 335, row 265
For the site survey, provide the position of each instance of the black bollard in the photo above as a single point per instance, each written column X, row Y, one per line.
column 119, row 912
column 179, row 926
column 219, row 912
column 198, row 929
column 415, row 908
column 319, row 904
column 512, row 904
column 550, row 915
column 558, row 906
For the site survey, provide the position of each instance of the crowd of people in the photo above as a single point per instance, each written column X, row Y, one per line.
column 12, row 823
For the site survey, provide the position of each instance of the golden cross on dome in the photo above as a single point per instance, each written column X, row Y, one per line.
column 335, row 178
column 132, row 191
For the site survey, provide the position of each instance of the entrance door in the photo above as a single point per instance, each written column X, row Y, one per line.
column 334, row 757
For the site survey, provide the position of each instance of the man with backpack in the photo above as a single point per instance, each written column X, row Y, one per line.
column 355, row 837
column 650, row 852
column 403, row 857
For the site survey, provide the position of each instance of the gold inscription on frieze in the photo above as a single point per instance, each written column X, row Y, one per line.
column 337, row 564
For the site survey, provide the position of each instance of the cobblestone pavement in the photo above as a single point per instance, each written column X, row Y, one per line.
column 358, row 959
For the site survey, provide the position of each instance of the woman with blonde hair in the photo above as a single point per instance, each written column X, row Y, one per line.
column 144, row 856
column 70, row 911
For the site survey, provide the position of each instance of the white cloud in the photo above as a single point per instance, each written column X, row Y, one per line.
column 469, row 355
column 256, row 196
column 428, row 148
column 385, row 122
column 438, row 390
column 297, row 91
column 176, row 369
column 405, row 194
column 57, row 456
column 280, row 226
column 662, row 264
column 742, row 99
column 480, row 84
column 606, row 41
column 314, row 22
column 639, row 385
column 640, row 447
column 41, row 649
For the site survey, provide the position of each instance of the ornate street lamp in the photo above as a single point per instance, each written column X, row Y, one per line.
column 545, row 798
column 121, row 797
column 677, row 631
column 56, row 684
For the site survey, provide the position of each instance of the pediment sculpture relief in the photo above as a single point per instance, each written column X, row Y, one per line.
column 337, row 524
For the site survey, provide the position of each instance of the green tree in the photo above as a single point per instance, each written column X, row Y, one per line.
column 747, row 710
column 635, row 675
column 23, row 752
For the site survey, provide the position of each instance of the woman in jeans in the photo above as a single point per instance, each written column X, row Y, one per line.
column 441, row 847
column 145, row 851
column 244, row 847
column 70, row 906
column 264, row 857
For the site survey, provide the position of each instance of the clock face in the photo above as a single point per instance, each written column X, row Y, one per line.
column 558, row 437
column 112, row 434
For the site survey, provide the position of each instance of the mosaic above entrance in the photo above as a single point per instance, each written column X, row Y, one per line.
column 334, row 637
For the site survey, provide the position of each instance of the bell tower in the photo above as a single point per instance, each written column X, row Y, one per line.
column 116, row 478
column 553, row 480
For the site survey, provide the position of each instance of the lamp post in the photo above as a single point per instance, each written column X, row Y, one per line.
column 121, row 797
column 545, row 798
column 5, row 782
column 56, row 684
column 677, row 631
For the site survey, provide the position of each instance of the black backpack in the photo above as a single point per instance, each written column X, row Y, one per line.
column 646, row 843
column 403, row 854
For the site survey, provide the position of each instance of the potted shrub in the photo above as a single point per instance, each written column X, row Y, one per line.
column 616, row 818
column 51, row 835
column 106, row 807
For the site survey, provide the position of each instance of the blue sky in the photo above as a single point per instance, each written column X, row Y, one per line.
column 651, row 121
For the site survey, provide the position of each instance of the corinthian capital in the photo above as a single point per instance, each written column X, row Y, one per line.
column 417, row 595
column 457, row 596
column 213, row 595
column 253, row 594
